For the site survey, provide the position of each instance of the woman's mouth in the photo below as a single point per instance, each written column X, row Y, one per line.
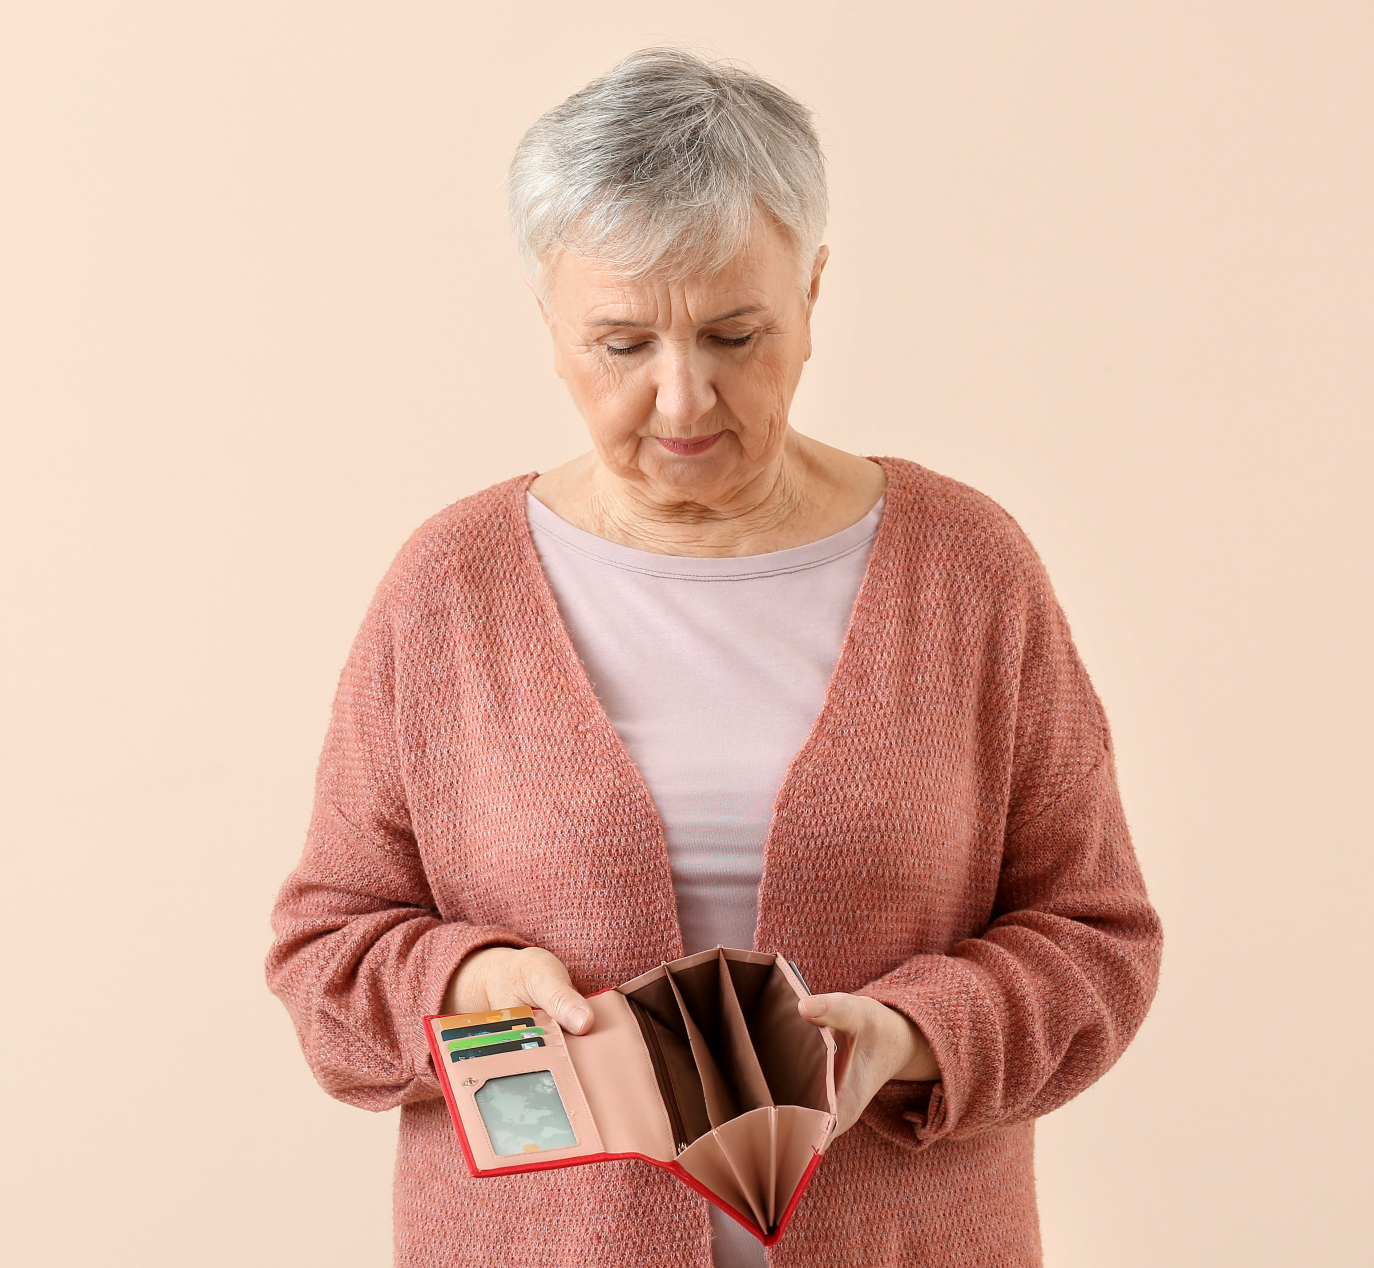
column 685, row 448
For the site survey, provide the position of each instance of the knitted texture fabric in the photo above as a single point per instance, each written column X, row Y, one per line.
column 949, row 840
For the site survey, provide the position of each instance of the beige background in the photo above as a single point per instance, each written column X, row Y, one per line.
column 1109, row 263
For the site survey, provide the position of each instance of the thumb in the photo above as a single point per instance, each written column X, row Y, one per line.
column 555, row 994
column 838, row 1010
column 841, row 1013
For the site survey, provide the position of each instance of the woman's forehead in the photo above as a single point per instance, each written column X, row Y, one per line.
column 595, row 294
column 670, row 306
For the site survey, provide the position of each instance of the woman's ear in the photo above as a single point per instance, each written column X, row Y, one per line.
column 538, row 299
column 822, row 255
column 545, row 313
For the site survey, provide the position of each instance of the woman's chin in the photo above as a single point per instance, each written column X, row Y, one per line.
column 680, row 481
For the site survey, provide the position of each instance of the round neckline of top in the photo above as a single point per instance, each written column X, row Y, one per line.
column 544, row 522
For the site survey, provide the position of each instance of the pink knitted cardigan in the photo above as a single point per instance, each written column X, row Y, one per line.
column 949, row 840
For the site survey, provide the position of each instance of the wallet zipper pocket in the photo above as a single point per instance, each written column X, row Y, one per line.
column 665, row 1082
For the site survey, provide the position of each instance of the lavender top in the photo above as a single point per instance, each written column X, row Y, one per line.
column 712, row 672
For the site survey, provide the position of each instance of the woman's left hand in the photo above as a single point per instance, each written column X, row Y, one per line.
column 876, row 1043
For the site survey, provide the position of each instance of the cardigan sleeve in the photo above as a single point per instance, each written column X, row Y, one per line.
column 1027, row 1015
column 361, row 951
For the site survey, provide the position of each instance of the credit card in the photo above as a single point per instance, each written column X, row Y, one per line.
column 506, row 1036
column 467, row 1054
column 514, row 1013
column 486, row 1027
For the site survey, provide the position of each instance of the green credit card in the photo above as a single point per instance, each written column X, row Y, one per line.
column 503, row 1036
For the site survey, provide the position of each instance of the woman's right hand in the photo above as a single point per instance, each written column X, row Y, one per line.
column 501, row 977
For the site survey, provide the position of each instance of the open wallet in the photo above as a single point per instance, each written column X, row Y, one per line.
column 701, row 1066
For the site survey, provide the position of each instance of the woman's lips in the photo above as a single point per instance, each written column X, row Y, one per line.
column 697, row 445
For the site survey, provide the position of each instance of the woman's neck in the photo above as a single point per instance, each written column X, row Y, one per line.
column 811, row 492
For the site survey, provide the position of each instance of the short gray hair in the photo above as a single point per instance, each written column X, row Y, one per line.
column 665, row 161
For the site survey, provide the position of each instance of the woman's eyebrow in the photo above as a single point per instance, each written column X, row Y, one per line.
column 746, row 311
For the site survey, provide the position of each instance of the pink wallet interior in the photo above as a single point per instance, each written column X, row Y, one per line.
column 702, row 1065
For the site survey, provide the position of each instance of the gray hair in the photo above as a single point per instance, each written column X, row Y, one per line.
column 664, row 162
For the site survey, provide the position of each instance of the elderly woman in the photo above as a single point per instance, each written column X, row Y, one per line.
column 717, row 683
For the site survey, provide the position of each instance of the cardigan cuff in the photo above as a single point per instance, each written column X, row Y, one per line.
column 445, row 947
column 910, row 1113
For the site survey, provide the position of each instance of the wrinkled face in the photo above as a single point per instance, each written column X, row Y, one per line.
column 685, row 385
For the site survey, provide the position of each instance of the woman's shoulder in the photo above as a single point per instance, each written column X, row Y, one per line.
column 474, row 542
column 937, row 514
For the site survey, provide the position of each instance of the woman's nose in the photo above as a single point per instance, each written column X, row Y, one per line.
column 685, row 392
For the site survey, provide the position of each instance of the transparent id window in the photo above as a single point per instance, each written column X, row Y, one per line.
column 524, row 1114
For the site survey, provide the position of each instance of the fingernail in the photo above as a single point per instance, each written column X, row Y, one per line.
column 814, row 1007
column 578, row 1019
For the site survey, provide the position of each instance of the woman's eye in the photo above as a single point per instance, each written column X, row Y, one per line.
column 735, row 343
column 622, row 349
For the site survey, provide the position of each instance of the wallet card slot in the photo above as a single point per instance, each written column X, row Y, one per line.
column 742, row 1062
column 721, row 1105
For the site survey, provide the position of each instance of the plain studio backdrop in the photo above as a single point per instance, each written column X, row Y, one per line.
column 1109, row 263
